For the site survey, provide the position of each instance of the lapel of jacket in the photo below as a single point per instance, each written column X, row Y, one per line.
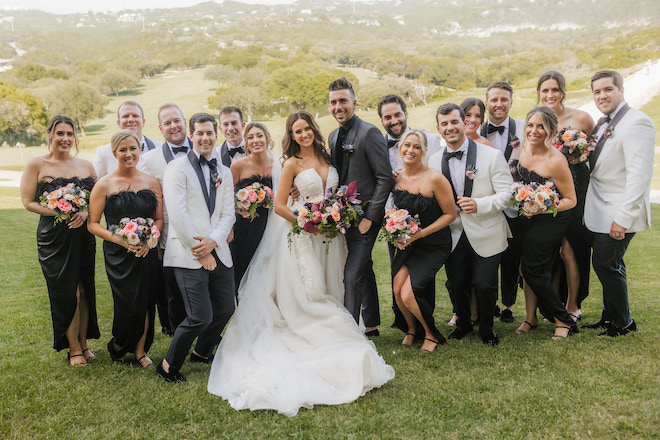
column 593, row 157
column 224, row 154
column 447, row 174
column 511, row 134
column 350, row 140
column 470, row 161
column 167, row 152
column 150, row 144
column 192, row 158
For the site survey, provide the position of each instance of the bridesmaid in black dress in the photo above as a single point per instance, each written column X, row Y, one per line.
column 423, row 191
column 127, row 192
column 257, row 166
column 66, row 250
column 543, row 233
column 576, row 245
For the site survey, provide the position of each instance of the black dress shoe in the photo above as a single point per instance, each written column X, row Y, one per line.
column 496, row 312
column 197, row 359
column 599, row 324
column 491, row 340
column 507, row 316
column 459, row 333
column 615, row 331
column 172, row 377
column 372, row 333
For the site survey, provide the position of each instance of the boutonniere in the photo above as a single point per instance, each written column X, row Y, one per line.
column 215, row 177
column 609, row 131
column 514, row 141
column 348, row 149
column 470, row 171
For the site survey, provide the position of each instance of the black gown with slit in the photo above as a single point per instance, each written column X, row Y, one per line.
column 132, row 279
column 247, row 234
column 66, row 257
column 423, row 258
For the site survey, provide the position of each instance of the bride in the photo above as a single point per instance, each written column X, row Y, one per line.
column 291, row 342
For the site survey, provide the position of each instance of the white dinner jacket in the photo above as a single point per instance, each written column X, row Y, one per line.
column 154, row 164
column 620, row 183
column 487, row 230
column 189, row 215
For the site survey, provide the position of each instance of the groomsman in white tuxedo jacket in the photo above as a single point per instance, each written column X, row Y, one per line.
column 172, row 125
column 481, row 182
column 505, row 134
column 617, row 203
column 199, row 194
column 131, row 116
column 231, row 125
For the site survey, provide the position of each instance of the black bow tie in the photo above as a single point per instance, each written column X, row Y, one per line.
column 177, row 150
column 392, row 143
column 493, row 128
column 233, row 151
column 457, row 154
column 212, row 163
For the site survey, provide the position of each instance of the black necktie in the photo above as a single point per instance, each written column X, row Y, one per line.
column 493, row 128
column 457, row 154
column 177, row 150
column 392, row 143
column 233, row 151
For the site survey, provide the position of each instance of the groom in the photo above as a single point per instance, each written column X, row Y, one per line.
column 359, row 153
column 617, row 202
column 199, row 194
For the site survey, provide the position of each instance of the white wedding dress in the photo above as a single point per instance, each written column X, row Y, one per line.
column 291, row 342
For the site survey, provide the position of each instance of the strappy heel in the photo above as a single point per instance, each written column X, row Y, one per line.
column 520, row 331
column 404, row 339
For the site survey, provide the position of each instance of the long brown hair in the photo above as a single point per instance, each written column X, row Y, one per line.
column 290, row 148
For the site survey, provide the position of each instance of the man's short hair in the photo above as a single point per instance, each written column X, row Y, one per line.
column 169, row 105
column 201, row 118
column 616, row 78
column 130, row 103
column 230, row 110
column 446, row 109
column 391, row 99
column 341, row 84
column 500, row 85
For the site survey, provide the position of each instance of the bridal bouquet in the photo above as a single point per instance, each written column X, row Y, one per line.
column 137, row 231
column 251, row 197
column 574, row 144
column 65, row 201
column 533, row 198
column 330, row 215
column 399, row 226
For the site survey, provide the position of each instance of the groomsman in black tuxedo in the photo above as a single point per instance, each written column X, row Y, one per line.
column 172, row 125
column 359, row 153
column 617, row 204
column 505, row 134
column 481, row 182
column 129, row 116
column 199, row 192
column 231, row 125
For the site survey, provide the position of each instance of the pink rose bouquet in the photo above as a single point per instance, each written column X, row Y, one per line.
column 574, row 144
column 534, row 198
column 65, row 201
column 137, row 231
column 248, row 199
column 330, row 215
column 399, row 226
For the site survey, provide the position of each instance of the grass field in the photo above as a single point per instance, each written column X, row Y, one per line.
column 529, row 387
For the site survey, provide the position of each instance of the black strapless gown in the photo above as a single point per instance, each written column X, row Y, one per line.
column 132, row 279
column 247, row 234
column 423, row 258
column 67, row 259
column 541, row 238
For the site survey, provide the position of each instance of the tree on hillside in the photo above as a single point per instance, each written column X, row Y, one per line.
column 115, row 80
column 248, row 98
column 22, row 116
column 79, row 101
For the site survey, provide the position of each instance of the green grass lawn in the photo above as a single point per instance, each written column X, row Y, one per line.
column 529, row 387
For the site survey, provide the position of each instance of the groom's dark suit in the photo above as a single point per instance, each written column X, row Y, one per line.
column 196, row 208
column 366, row 162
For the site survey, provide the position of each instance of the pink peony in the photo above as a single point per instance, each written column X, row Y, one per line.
column 413, row 227
column 64, row 205
column 130, row 228
column 252, row 196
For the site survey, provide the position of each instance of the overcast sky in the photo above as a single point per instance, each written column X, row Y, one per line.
column 69, row 6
